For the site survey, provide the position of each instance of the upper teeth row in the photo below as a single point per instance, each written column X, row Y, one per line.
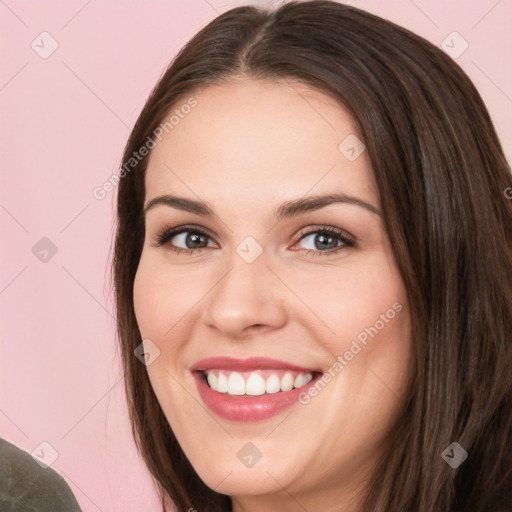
column 255, row 384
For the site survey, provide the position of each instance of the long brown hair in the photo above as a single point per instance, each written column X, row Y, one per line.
column 443, row 181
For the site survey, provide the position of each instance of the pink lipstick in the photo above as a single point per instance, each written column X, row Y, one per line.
column 250, row 389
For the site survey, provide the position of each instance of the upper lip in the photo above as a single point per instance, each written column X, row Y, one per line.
column 247, row 365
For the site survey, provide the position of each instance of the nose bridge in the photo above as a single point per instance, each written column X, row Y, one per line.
column 246, row 295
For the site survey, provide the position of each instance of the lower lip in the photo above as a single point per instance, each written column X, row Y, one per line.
column 248, row 408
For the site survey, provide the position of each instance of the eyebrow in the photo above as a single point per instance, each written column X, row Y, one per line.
column 287, row 209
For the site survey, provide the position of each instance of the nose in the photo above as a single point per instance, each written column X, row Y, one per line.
column 248, row 298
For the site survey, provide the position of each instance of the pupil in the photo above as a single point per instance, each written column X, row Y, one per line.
column 194, row 237
column 325, row 238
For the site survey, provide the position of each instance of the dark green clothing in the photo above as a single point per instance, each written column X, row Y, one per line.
column 26, row 487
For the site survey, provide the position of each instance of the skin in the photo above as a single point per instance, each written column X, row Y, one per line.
column 247, row 147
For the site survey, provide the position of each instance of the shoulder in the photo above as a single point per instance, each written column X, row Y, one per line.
column 28, row 486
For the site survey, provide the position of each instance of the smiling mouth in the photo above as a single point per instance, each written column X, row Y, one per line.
column 256, row 383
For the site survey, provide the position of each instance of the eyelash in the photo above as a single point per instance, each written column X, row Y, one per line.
column 166, row 234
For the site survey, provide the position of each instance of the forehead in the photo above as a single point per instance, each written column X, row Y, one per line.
column 258, row 139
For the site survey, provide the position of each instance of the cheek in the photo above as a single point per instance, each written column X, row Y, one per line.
column 160, row 300
column 351, row 299
column 366, row 328
column 157, row 309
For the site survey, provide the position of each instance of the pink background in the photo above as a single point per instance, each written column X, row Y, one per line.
column 65, row 122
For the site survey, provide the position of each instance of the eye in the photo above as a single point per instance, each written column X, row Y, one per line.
column 192, row 238
column 326, row 240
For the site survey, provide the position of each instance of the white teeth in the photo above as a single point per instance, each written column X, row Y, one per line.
column 273, row 384
column 212, row 380
column 236, row 384
column 300, row 380
column 222, row 383
column 254, row 384
column 287, row 382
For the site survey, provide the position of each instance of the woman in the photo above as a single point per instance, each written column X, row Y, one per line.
column 339, row 339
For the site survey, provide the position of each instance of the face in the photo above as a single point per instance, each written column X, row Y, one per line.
column 278, row 321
